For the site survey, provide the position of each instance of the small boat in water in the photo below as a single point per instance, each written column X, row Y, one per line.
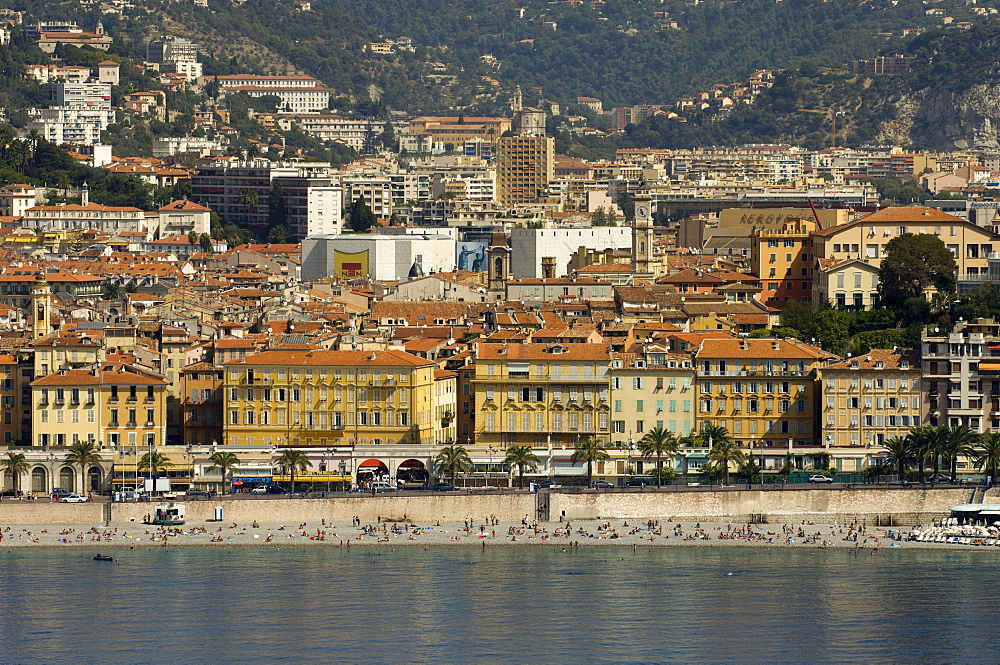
column 103, row 557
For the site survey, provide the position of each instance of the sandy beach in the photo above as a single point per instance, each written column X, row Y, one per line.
column 487, row 532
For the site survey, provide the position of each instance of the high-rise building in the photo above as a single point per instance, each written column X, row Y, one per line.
column 525, row 165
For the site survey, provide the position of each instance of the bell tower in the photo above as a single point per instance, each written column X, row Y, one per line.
column 40, row 306
column 498, row 254
column 643, row 237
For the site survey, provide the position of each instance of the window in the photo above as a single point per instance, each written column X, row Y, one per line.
column 638, row 406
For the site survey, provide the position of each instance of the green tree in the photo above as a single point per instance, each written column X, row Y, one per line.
column 362, row 217
column 193, row 238
column 83, row 454
column 112, row 291
column 599, row 217
column 899, row 453
column 798, row 314
column 154, row 461
column 16, row 465
column 292, row 461
column 960, row 442
column 987, row 454
column 831, row 329
column 523, row 458
column 913, row 263
column 278, row 234
column 276, row 206
column 589, row 451
column 452, row 460
column 223, row 461
column 206, row 243
column 723, row 450
column 659, row 442
column 248, row 199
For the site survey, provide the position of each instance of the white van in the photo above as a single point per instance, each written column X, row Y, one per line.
column 380, row 487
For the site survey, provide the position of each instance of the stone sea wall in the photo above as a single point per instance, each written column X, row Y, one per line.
column 431, row 507
column 895, row 506
column 882, row 506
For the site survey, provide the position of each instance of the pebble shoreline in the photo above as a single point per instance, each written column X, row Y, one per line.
column 475, row 533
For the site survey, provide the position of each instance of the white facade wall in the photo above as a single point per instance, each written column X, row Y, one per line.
column 389, row 257
column 82, row 95
column 325, row 210
column 528, row 246
column 170, row 146
column 71, row 125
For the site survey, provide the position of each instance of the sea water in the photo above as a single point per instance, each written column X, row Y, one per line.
column 502, row 605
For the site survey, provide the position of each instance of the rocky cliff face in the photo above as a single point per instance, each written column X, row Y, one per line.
column 945, row 119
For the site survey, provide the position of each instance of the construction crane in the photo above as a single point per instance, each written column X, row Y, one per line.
column 832, row 115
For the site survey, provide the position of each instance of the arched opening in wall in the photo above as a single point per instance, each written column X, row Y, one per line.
column 67, row 478
column 498, row 267
column 372, row 470
column 412, row 474
column 94, row 479
column 38, row 481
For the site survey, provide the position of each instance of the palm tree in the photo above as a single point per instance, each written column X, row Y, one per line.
column 659, row 442
column 153, row 461
column 112, row 291
column 248, row 198
column 292, row 460
column 16, row 465
column 589, row 451
column 224, row 461
column 724, row 450
column 84, row 454
column 522, row 457
column 935, row 445
column 987, row 454
column 917, row 439
column 960, row 442
column 899, row 451
column 451, row 460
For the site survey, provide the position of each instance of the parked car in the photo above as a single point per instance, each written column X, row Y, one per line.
column 197, row 493
column 550, row 484
column 820, row 479
column 900, row 483
column 639, row 481
column 74, row 498
column 444, row 487
column 380, row 486
column 939, row 478
column 268, row 489
column 602, row 485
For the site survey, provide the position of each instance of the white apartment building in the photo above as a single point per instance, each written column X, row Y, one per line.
column 296, row 99
column 231, row 81
column 172, row 145
column 16, row 199
column 325, row 210
column 328, row 127
column 70, row 125
column 90, row 95
column 376, row 190
column 52, row 73
column 182, row 217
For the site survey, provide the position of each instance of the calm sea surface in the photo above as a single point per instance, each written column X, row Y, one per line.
column 508, row 604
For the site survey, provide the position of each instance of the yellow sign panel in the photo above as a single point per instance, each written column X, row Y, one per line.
column 350, row 265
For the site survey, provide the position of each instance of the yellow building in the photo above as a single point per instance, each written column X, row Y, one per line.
column 867, row 400
column 764, row 392
column 783, row 260
column 322, row 398
column 541, row 394
column 112, row 404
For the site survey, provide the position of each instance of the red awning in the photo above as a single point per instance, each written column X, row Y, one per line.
column 372, row 463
